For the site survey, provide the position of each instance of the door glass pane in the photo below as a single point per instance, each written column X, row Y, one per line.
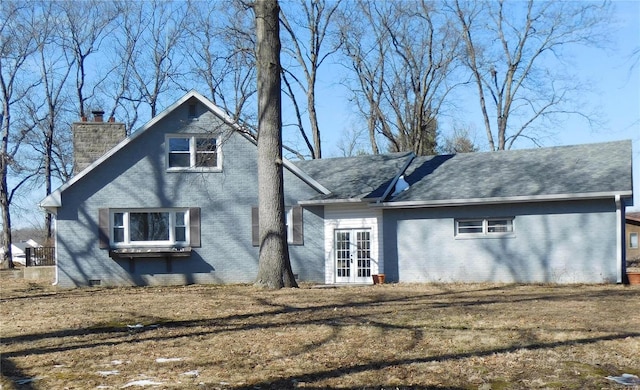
column 343, row 254
column 363, row 243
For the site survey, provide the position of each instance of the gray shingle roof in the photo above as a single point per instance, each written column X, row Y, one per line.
column 362, row 177
column 545, row 172
column 563, row 170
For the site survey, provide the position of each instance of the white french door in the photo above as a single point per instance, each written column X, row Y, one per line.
column 353, row 255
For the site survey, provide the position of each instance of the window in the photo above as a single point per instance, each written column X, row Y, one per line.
column 295, row 235
column 149, row 227
column 633, row 240
column 193, row 153
column 484, row 227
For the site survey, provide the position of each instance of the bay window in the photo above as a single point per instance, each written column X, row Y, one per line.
column 174, row 227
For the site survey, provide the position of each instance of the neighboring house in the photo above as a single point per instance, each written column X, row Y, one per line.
column 632, row 228
column 175, row 203
column 18, row 250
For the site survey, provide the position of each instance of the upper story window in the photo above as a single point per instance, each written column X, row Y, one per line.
column 633, row 240
column 193, row 152
column 484, row 227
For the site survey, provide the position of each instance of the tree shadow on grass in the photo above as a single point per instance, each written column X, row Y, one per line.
column 14, row 374
column 335, row 315
column 291, row 382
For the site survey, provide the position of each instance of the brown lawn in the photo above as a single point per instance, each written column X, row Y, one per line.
column 391, row 336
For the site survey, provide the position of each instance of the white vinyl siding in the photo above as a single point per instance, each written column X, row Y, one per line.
column 352, row 217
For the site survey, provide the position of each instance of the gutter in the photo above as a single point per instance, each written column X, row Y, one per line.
column 499, row 200
column 620, row 238
column 55, row 227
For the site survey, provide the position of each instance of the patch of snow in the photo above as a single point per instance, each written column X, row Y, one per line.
column 625, row 379
column 168, row 360
column 136, row 326
column 142, row 383
column 24, row 381
column 192, row 373
column 116, row 362
column 107, row 373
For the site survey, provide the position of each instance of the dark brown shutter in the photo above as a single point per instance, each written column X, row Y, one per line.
column 103, row 228
column 194, row 226
column 298, row 233
column 255, row 227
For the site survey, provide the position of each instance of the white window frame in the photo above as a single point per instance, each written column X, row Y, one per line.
column 484, row 223
column 127, row 243
column 193, row 153
column 289, row 224
column 631, row 240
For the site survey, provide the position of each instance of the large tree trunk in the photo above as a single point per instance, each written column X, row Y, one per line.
column 6, row 261
column 275, row 267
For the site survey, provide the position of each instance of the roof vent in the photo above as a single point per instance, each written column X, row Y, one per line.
column 401, row 185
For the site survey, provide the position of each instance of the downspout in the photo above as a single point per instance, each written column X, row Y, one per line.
column 55, row 250
column 619, row 239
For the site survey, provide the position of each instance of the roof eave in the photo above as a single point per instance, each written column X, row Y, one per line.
column 324, row 202
column 499, row 200
column 51, row 202
column 305, row 177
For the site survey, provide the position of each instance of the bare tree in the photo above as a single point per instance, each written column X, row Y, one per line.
column 275, row 267
column 306, row 47
column 458, row 142
column 47, row 106
column 17, row 44
column 85, row 24
column 158, row 67
column 402, row 54
column 225, row 57
column 351, row 143
column 146, row 67
column 366, row 49
column 514, row 51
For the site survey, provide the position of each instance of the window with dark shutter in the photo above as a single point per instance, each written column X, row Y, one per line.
column 295, row 232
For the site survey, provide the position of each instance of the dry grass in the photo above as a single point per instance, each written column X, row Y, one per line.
column 391, row 336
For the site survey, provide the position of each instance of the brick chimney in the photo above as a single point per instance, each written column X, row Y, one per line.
column 93, row 139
